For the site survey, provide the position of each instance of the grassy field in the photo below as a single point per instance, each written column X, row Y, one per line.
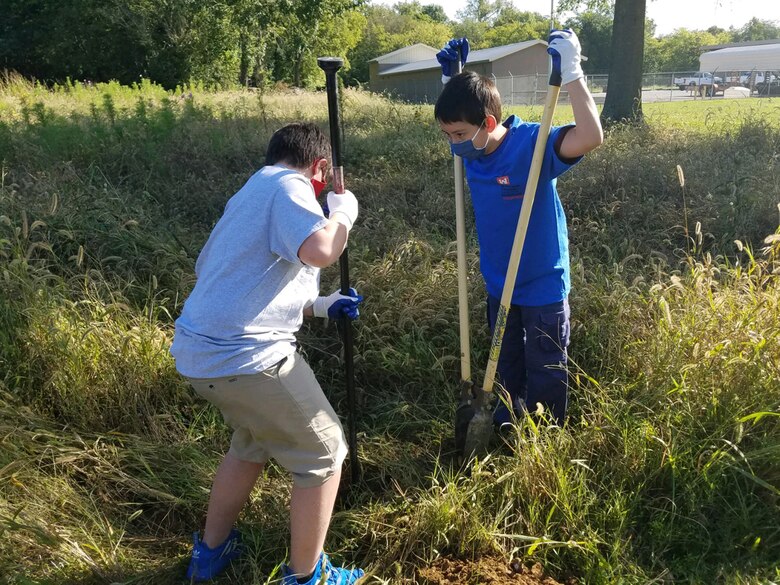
column 668, row 470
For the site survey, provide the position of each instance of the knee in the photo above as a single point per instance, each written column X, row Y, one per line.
column 319, row 462
column 552, row 337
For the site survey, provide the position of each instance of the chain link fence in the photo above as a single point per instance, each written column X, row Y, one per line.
column 522, row 90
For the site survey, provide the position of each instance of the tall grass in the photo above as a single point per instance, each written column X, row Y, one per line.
column 668, row 469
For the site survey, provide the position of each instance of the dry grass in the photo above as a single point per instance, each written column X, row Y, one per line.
column 669, row 464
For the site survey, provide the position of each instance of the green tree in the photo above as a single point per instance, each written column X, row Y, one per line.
column 474, row 30
column 652, row 57
column 218, row 42
column 624, row 88
column 513, row 26
column 436, row 13
column 594, row 30
column 425, row 12
column 375, row 41
column 482, row 10
column 680, row 50
column 80, row 39
column 338, row 36
column 259, row 23
column 386, row 30
column 757, row 30
column 183, row 40
column 168, row 41
column 303, row 23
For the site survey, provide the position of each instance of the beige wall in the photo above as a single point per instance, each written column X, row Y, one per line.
column 417, row 86
column 527, row 62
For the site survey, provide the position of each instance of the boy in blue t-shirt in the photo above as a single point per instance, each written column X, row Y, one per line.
column 497, row 159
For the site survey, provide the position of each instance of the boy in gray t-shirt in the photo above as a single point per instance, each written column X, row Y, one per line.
column 257, row 276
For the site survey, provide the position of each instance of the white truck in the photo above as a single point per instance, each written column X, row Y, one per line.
column 702, row 78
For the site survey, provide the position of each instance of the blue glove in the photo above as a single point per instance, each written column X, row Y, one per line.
column 337, row 305
column 448, row 57
column 564, row 46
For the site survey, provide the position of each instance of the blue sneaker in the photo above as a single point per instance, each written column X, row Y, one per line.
column 324, row 574
column 207, row 563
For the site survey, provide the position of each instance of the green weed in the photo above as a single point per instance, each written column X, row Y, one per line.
column 666, row 471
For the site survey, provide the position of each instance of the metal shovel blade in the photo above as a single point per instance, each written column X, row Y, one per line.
column 463, row 414
column 479, row 432
column 473, row 423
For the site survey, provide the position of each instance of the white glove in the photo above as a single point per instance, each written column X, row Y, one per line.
column 564, row 46
column 337, row 305
column 343, row 208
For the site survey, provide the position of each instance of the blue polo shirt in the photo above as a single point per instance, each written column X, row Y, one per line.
column 497, row 182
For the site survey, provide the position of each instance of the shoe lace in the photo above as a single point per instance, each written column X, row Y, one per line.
column 338, row 576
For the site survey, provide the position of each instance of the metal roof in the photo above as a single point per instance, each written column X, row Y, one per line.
column 760, row 57
column 741, row 44
column 478, row 56
column 402, row 50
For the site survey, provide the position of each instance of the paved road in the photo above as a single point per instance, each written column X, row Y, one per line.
column 662, row 95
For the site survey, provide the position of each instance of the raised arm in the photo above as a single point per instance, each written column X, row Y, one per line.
column 587, row 134
column 564, row 46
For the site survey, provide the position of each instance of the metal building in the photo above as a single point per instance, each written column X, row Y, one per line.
column 413, row 73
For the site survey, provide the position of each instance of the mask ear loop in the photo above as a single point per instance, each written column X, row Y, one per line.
column 477, row 132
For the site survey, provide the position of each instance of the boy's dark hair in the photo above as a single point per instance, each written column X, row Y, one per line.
column 468, row 97
column 298, row 144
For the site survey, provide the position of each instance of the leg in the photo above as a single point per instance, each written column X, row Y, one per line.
column 546, row 355
column 231, row 489
column 239, row 470
column 235, row 478
column 511, row 362
column 309, row 442
column 310, row 512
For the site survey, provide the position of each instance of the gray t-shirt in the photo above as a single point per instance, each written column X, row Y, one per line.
column 251, row 288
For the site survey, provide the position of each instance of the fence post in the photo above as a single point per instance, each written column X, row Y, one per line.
column 512, row 91
column 536, row 87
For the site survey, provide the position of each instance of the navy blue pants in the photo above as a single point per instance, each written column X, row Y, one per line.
column 531, row 366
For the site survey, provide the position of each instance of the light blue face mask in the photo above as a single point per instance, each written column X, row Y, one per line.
column 466, row 149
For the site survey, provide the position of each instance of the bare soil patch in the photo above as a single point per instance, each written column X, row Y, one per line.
column 487, row 571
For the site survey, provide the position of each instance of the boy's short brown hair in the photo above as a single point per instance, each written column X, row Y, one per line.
column 468, row 97
column 298, row 144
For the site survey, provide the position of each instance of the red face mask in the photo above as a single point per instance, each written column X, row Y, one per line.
column 318, row 186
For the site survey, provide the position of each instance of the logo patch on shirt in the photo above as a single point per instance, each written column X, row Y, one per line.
column 503, row 180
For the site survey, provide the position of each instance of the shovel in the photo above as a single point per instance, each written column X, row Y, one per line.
column 330, row 65
column 466, row 384
column 466, row 390
column 474, row 415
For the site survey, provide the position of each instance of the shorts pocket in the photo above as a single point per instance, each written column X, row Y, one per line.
column 553, row 332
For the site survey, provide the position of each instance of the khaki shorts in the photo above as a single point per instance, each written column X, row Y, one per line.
column 280, row 413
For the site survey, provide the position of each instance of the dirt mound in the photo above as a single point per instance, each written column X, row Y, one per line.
column 487, row 571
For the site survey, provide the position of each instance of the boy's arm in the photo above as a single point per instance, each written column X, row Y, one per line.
column 564, row 47
column 323, row 247
column 587, row 134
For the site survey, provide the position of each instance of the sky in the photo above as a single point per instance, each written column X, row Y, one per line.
column 667, row 14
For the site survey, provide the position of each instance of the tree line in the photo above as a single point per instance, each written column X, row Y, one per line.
column 224, row 43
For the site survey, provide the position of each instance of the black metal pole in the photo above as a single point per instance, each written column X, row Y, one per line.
column 330, row 65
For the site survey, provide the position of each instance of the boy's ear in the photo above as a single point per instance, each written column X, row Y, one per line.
column 491, row 122
column 319, row 165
